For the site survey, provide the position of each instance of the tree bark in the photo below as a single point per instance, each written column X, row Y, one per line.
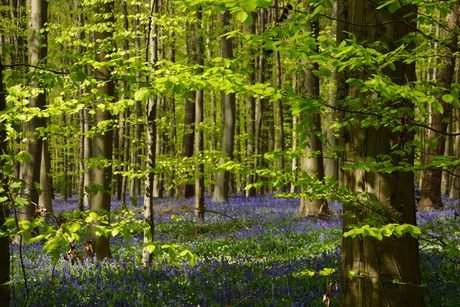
column 221, row 189
column 380, row 262
column 199, row 166
column 44, row 200
column 312, row 162
column 30, row 172
column 454, row 190
column 331, row 164
column 251, row 120
column 135, row 181
column 151, row 142
column 102, row 140
column 431, row 184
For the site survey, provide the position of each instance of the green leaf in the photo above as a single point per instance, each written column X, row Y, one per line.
column 447, row 98
column 27, row 157
column 150, row 247
column 127, row 234
column 37, row 187
column 241, row 16
column 35, row 239
column 75, row 227
column 437, row 106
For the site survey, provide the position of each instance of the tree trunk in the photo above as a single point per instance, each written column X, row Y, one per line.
column 454, row 190
column 431, row 185
column 221, row 189
column 199, row 166
column 261, row 102
column 185, row 190
column 312, row 162
column 44, row 200
column 448, row 151
column 151, row 142
column 135, row 181
column 331, row 167
column 102, row 140
column 379, row 262
column 251, row 120
column 30, row 171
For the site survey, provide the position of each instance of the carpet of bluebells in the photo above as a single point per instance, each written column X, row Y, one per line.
column 236, row 266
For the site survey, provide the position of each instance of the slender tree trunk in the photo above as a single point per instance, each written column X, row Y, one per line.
column 431, row 185
column 199, row 166
column 331, row 167
column 151, row 141
column 102, row 140
column 448, row 151
column 454, row 190
column 251, row 119
column 221, row 189
column 172, row 110
column 44, row 200
column 260, row 104
column 377, row 263
column 135, row 181
column 186, row 190
column 312, row 162
column 30, row 171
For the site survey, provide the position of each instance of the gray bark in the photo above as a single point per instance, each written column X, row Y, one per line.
column 380, row 262
column 431, row 184
column 221, row 189
column 310, row 162
column 30, row 172
column 102, row 140
column 199, row 166
column 151, row 141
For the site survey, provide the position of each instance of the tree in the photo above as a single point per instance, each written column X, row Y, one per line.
column 312, row 161
column 431, row 184
column 221, row 189
column 251, row 120
column 101, row 175
column 375, row 263
column 30, row 170
column 151, row 142
column 199, row 166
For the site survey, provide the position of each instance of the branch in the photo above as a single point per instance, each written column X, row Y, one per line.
column 247, row 228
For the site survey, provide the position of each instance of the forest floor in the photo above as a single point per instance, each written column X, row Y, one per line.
column 235, row 266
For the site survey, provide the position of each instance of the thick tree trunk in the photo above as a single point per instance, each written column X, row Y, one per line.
column 221, row 189
column 30, row 171
column 102, row 141
column 379, row 262
column 151, row 142
column 431, row 184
